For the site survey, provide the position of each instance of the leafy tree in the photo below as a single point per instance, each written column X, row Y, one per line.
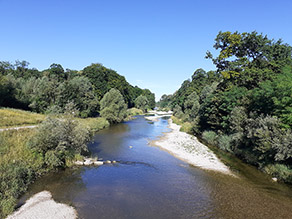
column 150, row 97
column 80, row 91
column 192, row 106
column 113, row 107
column 103, row 79
column 165, row 101
column 142, row 103
column 275, row 97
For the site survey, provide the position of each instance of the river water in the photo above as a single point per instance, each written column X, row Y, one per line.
column 147, row 182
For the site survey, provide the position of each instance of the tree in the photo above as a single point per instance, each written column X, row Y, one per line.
column 192, row 106
column 80, row 91
column 113, row 107
column 142, row 103
column 150, row 97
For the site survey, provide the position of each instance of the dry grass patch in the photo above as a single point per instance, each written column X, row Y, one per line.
column 14, row 118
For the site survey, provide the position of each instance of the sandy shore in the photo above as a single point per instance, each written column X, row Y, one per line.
column 187, row 147
column 42, row 206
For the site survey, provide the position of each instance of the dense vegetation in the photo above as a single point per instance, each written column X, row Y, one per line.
column 74, row 100
column 245, row 106
column 28, row 153
column 52, row 89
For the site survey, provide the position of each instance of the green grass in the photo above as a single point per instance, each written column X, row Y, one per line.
column 95, row 124
column 14, row 117
column 185, row 126
column 18, row 167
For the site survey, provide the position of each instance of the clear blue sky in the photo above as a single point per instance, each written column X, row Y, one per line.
column 155, row 44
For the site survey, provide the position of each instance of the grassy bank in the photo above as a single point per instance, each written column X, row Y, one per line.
column 14, row 118
column 21, row 164
column 185, row 126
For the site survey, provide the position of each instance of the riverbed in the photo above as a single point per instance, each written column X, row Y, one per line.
column 148, row 182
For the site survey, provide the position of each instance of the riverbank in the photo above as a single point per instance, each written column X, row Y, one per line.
column 186, row 147
column 41, row 205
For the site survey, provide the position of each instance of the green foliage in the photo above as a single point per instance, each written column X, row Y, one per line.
column 13, row 117
column 50, row 90
column 237, row 119
column 191, row 106
column 134, row 112
column 165, row 101
column 280, row 171
column 249, row 104
column 103, row 79
column 225, row 143
column 177, row 112
column 142, row 103
column 150, row 97
column 113, row 107
column 275, row 97
column 56, row 137
column 94, row 124
column 210, row 137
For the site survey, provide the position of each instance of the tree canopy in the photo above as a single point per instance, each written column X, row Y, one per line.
column 245, row 105
column 113, row 107
column 52, row 89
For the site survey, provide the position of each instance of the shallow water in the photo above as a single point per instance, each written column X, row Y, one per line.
column 150, row 183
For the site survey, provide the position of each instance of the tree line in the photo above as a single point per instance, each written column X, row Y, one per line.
column 245, row 105
column 51, row 90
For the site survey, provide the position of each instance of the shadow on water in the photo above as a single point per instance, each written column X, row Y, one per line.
column 150, row 183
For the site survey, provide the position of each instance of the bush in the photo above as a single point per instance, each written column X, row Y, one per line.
column 56, row 136
column 210, row 137
column 14, row 178
column 224, row 143
column 54, row 159
column 134, row 112
column 279, row 171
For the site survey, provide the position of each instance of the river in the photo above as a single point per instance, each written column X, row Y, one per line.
column 147, row 182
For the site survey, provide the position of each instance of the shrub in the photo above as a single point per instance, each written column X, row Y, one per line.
column 54, row 159
column 210, row 137
column 63, row 134
column 279, row 171
column 224, row 143
column 134, row 112
column 263, row 135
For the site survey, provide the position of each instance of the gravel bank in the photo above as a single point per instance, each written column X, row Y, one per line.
column 187, row 147
column 42, row 206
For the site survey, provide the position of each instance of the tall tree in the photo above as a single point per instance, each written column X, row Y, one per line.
column 113, row 106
